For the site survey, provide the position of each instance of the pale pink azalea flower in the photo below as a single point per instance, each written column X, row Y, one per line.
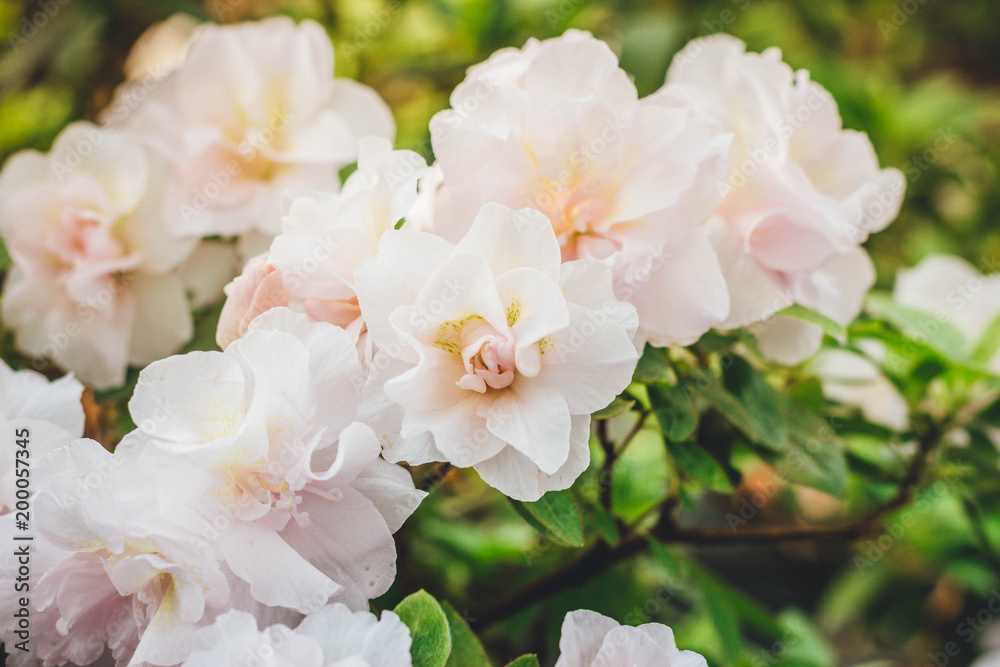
column 310, row 265
column 591, row 640
column 952, row 293
column 492, row 353
column 94, row 284
column 799, row 196
column 333, row 636
column 258, row 446
column 254, row 111
column 558, row 126
column 48, row 414
column 112, row 574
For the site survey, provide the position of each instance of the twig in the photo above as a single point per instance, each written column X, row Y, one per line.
column 435, row 477
column 601, row 557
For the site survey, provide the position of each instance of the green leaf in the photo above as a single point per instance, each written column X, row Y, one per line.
column 555, row 515
column 809, row 315
column 762, row 402
column 466, row 649
column 429, row 628
column 919, row 326
column 675, row 410
column 697, row 464
column 615, row 408
column 814, row 456
column 530, row 660
column 606, row 527
column 989, row 342
column 653, row 366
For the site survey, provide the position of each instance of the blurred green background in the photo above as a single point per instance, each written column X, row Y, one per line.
column 920, row 77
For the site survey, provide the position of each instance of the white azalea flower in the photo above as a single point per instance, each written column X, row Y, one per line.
column 111, row 574
column 493, row 354
column 332, row 636
column 310, row 266
column 93, row 284
column 256, row 450
column 800, row 194
column 591, row 640
column 952, row 292
column 254, row 111
column 50, row 412
column 558, row 126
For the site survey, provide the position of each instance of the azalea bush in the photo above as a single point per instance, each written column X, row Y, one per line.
column 529, row 358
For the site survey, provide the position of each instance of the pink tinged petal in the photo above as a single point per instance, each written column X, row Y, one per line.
column 356, row 448
column 349, row 541
column 335, row 371
column 404, row 262
column 258, row 289
column 787, row 340
column 207, row 270
column 390, row 488
column 279, row 573
column 462, row 288
column 589, row 283
column 461, row 148
column 510, row 239
column 29, row 394
column 838, row 288
column 629, row 646
column 344, row 634
column 198, row 397
column 162, row 320
column 578, row 66
column 589, row 363
column 364, row 111
column 116, row 161
column 785, row 239
column 460, row 433
column 516, row 476
column 534, row 304
column 533, row 420
column 679, row 294
column 431, row 384
column 582, row 634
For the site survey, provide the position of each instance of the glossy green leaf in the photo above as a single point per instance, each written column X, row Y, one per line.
column 556, row 515
column 698, row 465
column 675, row 409
column 616, row 407
column 653, row 366
column 811, row 316
column 530, row 660
column 466, row 649
column 428, row 627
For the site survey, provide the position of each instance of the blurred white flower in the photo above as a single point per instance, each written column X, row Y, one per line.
column 109, row 572
column 558, row 126
column 332, row 636
column 854, row 380
column 592, row 640
column 257, row 451
column 492, row 354
column 48, row 413
column 799, row 196
column 253, row 111
column 310, row 266
column 93, row 284
column 951, row 292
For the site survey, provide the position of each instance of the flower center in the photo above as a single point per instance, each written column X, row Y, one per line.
column 488, row 356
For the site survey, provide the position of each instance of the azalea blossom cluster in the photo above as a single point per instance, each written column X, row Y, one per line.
column 476, row 311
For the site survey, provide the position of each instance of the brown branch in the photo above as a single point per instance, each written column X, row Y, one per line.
column 601, row 557
column 436, row 476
